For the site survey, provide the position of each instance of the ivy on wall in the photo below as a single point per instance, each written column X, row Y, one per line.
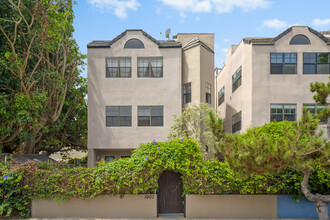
column 138, row 175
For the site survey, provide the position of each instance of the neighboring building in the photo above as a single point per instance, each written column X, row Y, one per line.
column 137, row 83
column 266, row 79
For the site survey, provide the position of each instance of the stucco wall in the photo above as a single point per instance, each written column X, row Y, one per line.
column 259, row 88
column 283, row 89
column 130, row 206
column 241, row 98
column 231, row 206
column 134, row 91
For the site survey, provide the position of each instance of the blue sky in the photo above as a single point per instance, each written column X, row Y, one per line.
column 230, row 20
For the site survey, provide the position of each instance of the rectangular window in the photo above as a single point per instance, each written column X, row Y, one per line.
column 237, row 79
column 150, row 116
column 237, row 122
column 221, row 96
column 208, row 93
column 109, row 159
column 118, row 116
column 283, row 63
column 186, row 93
column 314, row 108
column 282, row 112
column 150, row 67
column 316, row 63
column 118, row 67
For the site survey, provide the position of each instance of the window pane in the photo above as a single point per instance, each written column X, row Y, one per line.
column 156, row 61
column 144, row 111
column 111, row 72
column 323, row 69
column 144, row 121
column 309, row 68
column 157, row 121
column 125, row 110
column 133, row 44
column 276, row 58
column 276, row 69
column 323, row 58
column 112, row 121
column 290, row 69
column 290, row 58
column 112, row 111
column 309, row 58
column 125, row 120
column 112, row 62
column 187, row 98
column 156, row 71
column 275, row 117
column 156, row 110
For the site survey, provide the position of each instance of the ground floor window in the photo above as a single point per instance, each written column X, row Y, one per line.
column 109, row 159
column 283, row 112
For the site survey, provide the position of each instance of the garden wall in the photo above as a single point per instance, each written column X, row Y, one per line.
column 130, row 206
column 248, row 207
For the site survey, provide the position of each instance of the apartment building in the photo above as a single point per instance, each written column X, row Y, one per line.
column 136, row 84
column 267, row 79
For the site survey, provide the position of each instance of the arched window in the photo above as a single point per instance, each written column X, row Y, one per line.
column 134, row 44
column 300, row 40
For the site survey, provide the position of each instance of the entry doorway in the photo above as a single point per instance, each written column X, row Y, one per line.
column 170, row 199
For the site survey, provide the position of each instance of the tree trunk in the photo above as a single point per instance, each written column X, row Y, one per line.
column 322, row 210
column 321, row 201
column 28, row 147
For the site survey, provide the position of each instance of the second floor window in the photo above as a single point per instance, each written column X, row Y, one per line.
column 221, row 96
column 117, row 116
column 208, row 92
column 282, row 112
column 316, row 63
column 283, row 63
column 150, row 67
column 186, row 93
column 118, row 67
column 150, row 115
column 237, row 79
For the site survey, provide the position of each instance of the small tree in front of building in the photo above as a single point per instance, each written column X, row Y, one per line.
column 194, row 123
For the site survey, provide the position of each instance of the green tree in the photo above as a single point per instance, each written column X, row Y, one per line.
column 277, row 145
column 193, row 123
column 322, row 93
column 41, row 89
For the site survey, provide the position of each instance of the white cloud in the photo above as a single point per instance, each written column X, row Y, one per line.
column 225, row 6
column 275, row 23
column 221, row 6
column 189, row 5
column 182, row 14
column 224, row 50
column 319, row 22
column 119, row 7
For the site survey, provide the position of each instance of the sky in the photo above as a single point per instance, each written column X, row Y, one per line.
column 229, row 20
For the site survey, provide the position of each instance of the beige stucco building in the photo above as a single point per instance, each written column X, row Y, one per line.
column 136, row 85
column 266, row 79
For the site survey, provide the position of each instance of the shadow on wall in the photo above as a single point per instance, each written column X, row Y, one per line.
column 230, row 111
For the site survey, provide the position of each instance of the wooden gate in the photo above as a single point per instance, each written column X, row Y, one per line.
column 170, row 198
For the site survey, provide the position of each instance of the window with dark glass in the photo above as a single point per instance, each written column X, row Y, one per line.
column 208, row 93
column 186, row 93
column 299, row 40
column 237, row 122
column 134, row 44
column 118, row 67
column 221, row 96
column 316, row 63
column 150, row 67
column 117, row 116
column 314, row 108
column 283, row 63
column 109, row 159
column 150, row 116
column 237, row 79
column 282, row 112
